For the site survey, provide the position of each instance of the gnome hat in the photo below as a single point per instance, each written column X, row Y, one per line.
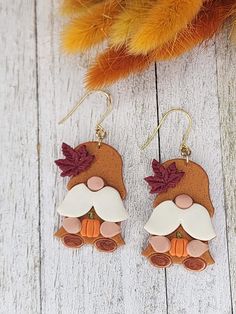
column 107, row 164
column 194, row 183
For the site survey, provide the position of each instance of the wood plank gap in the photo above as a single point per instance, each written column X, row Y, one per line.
column 159, row 156
column 38, row 149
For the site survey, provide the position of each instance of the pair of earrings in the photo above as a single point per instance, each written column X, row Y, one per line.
column 180, row 225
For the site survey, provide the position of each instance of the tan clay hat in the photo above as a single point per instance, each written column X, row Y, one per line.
column 107, row 164
column 194, row 183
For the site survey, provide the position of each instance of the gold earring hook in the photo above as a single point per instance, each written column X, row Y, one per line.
column 184, row 149
column 100, row 131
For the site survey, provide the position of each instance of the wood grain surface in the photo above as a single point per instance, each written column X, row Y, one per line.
column 38, row 85
column 19, row 218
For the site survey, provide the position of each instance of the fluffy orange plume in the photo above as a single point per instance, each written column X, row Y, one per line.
column 112, row 65
column 233, row 32
column 163, row 22
column 91, row 27
column 69, row 7
column 74, row 6
column 208, row 22
column 118, row 64
column 128, row 21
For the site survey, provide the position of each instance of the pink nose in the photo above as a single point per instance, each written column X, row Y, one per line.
column 95, row 183
column 183, row 201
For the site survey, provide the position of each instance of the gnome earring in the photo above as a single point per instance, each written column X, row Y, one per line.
column 93, row 207
column 180, row 225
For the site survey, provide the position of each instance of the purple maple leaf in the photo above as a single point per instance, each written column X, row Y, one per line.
column 163, row 178
column 75, row 161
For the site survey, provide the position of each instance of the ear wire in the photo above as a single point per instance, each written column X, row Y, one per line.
column 100, row 131
column 184, row 149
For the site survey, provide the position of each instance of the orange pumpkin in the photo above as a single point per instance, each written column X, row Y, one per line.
column 90, row 227
column 178, row 246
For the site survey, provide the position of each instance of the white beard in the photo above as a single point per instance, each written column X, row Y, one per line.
column 167, row 217
column 106, row 202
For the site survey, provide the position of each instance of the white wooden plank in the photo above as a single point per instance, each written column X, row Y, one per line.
column 86, row 281
column 191, row 83
column 72, row 281
column 19, row 244
column 226, row 73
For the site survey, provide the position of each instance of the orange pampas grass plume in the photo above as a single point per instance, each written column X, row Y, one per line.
column 208, row 22
column 91, row 27
column 233, row 32
column 113, row 65
column 127, row 22
column 162, row 24
column 69, row 7
column 74, row 6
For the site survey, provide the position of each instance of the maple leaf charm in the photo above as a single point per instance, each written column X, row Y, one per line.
column 164, row 178
column 75, row 161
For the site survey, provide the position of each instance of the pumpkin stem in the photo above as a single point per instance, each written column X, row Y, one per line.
column 91, row 215
column 179, row 235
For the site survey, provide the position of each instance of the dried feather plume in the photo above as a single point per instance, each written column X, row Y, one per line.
column 207, row 23
column 233, row 32
column 127, row 22
column 114, row 65
column 91, row 28
column 72, row 7
column 140, row 32
column 164, row 21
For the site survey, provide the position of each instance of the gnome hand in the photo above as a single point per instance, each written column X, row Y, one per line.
column 71, row 225
column 160, row 244
column 109, row 229
column 196, row 248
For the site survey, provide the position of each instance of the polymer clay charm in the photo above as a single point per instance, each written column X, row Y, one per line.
column 180, row 225
column 93, row 207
